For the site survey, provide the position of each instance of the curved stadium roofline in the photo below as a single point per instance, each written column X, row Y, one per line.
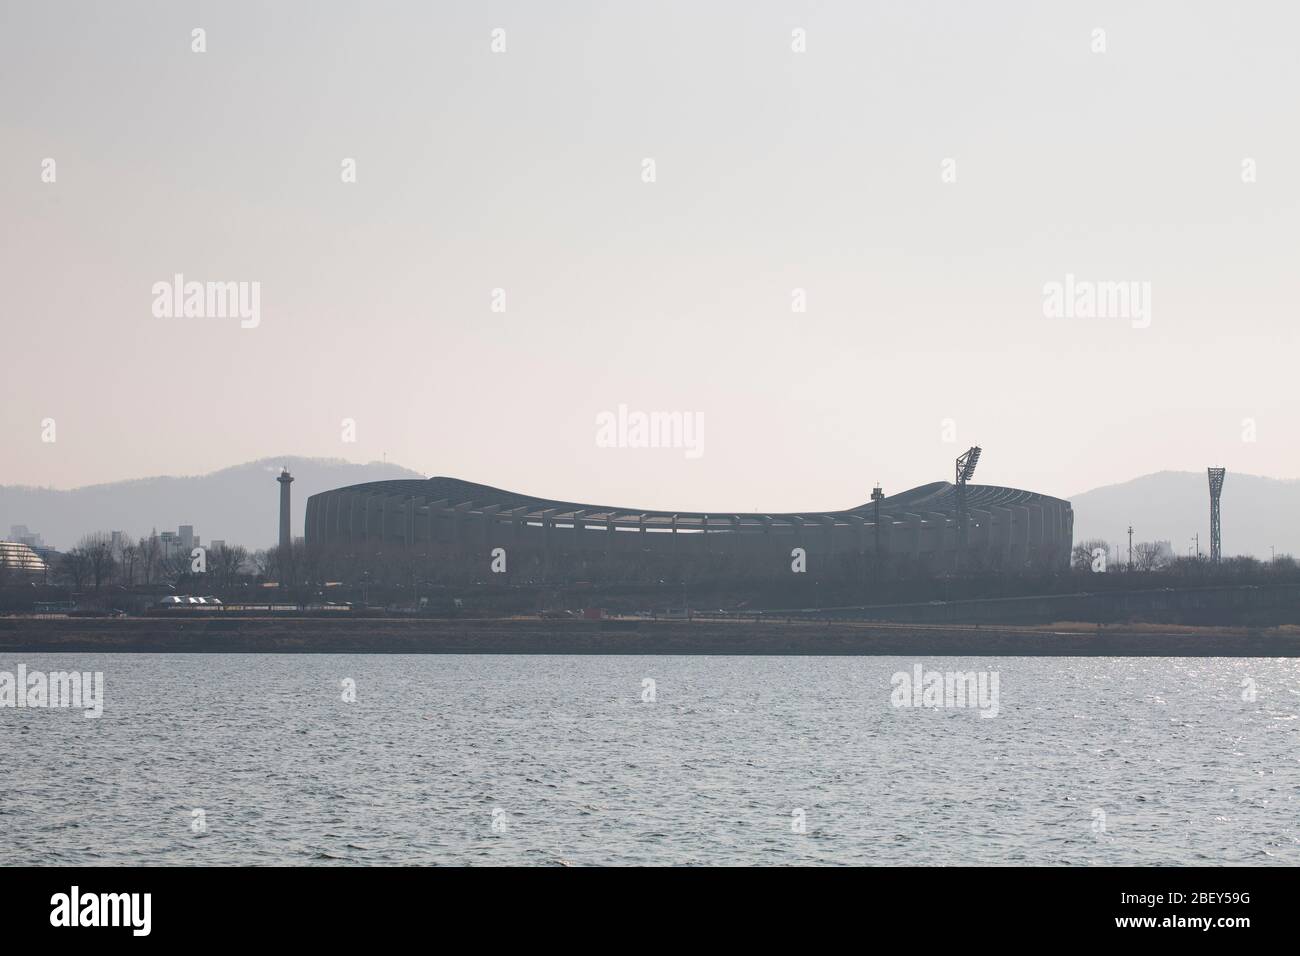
column 937, row 494
column 1021, row 526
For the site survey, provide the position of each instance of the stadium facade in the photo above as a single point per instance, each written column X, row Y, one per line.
column 1004, row 528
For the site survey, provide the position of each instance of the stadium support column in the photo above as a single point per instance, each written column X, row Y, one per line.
column 1062, row 543
column 417, row 504
column 1019, row 535
column 979, row 535
column 1036, row 533
column 913, row 522
column 937, row 524
column 490, row 526
column 310, row 522
column 548, row 522
column 828, row 523
column 459, row 523
column 517, row 519
column 769, row 536
column 1000, row 540
column 859, row 526
column 286, row 532
column 353, row 535
column 408, row 521
column 437, row 514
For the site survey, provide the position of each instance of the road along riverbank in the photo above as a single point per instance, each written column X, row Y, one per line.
column 289, row 635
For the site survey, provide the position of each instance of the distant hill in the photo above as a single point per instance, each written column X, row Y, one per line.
column 239, row 505
column 1255, row 512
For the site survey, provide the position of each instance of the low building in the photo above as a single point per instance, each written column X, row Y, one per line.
column 20, row 559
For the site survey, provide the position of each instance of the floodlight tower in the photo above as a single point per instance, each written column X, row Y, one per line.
column 1216, row 489
column 876, row 497
column 965, row 470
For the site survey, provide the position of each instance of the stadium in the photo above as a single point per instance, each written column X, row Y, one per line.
column 939, row 526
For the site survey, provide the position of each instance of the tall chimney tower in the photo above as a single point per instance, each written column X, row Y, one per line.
column 286, row 535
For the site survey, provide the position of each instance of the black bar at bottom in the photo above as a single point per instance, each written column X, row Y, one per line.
column 298, row 906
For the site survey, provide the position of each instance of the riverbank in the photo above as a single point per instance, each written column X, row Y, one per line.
column 284, row 635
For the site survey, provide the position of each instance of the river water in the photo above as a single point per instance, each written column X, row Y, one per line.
column 260, row 759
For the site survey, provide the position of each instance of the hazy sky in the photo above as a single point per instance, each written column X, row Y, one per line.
column 775, row 170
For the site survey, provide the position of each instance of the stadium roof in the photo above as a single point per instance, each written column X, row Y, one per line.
column 936, row 497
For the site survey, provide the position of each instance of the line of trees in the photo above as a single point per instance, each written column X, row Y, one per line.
column 1159, row 556
column 97, row 562
column 387, row 573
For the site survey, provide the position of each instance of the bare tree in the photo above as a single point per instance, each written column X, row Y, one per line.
column 226, row 563
column 287, row 564
column 1150, row 555
column 1081, row 556
column 148, row 556
column 311, row 562
column 127, row 558
column 264, row 563
column 176, row 565
column 98, row 549
column 75, row 567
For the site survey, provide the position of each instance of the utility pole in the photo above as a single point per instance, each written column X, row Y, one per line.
column 1130, row 547
column 876, row 497
column 1197, row 536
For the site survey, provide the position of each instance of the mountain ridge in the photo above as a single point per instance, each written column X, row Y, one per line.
column 1257, row 514
column 240, row 504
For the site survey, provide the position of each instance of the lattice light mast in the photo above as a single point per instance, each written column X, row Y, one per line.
column 1216, row 489
column 964, row 472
